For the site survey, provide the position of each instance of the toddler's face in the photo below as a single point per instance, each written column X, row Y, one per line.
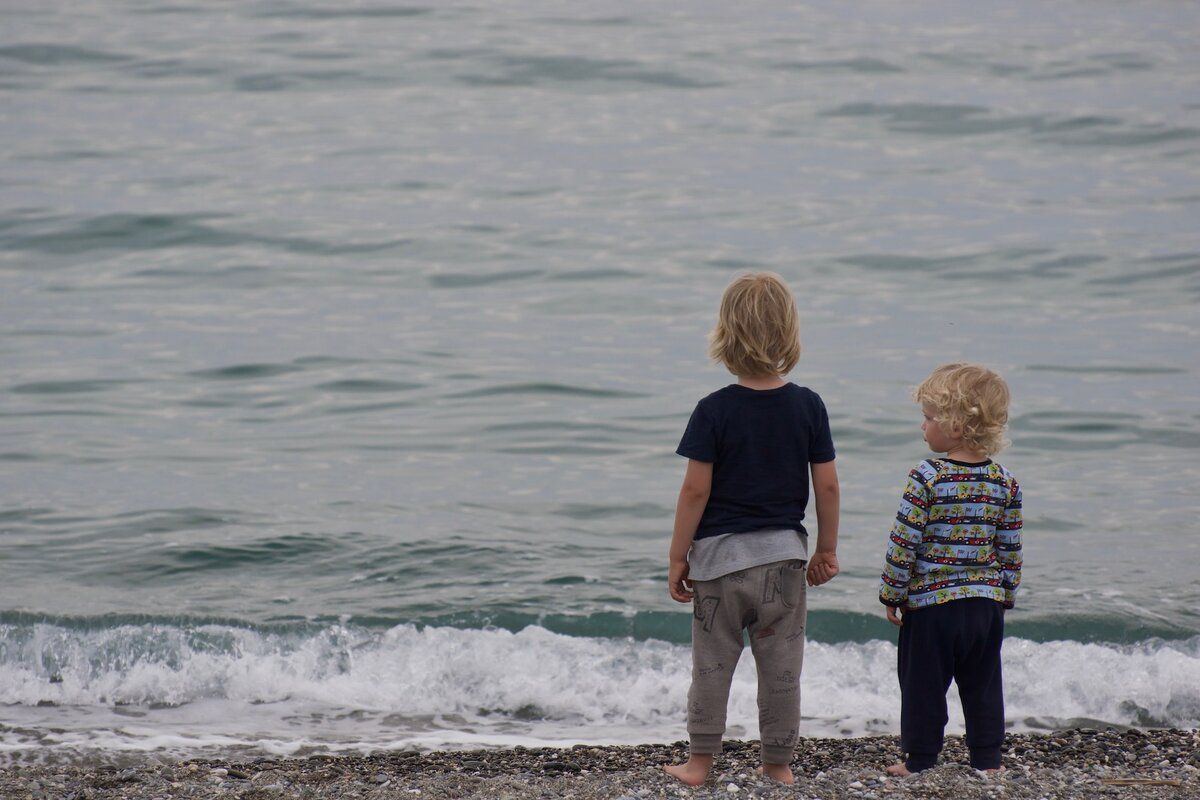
column 939, row 440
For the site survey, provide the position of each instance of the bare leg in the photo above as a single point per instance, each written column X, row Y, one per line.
column 694, row 772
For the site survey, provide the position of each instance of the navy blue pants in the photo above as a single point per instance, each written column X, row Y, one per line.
column 959, row 640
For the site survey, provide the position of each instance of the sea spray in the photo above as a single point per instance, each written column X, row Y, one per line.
column 342, row 687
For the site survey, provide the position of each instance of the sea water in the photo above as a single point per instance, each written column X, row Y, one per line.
column 344, row 349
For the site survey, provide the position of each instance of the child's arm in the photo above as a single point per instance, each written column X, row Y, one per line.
column 907, row 533
column 693, row 497
column 1008, row 546
column 823, row 564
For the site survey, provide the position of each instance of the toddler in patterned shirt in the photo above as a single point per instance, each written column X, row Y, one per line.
column 952, row 568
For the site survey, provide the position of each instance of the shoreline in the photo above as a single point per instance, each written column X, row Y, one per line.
column 1073, row 763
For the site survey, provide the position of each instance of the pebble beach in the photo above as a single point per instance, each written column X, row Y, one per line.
column 1076, row 763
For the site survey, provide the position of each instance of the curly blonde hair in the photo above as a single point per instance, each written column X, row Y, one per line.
column 970, row 400
column 758, row 327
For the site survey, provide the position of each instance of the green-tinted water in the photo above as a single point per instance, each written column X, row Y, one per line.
column 316, row 316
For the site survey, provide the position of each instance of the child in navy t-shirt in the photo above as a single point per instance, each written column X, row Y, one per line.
column 740, row 547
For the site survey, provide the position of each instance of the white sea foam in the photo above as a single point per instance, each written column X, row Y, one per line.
column 182, row 691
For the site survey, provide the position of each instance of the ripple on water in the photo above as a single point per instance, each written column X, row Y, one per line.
column 957, row 120
column 1086, row 431
column 149, row 232
column 544, row 389
column 1108, row 369
column 863, row 65
column 241, row 372
column 333, row 12
column 464, row 280
column 364, row 386
column 54, row 55
column 91, row 386
column 528, row 70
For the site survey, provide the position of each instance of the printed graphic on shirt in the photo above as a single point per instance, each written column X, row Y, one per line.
column 957, row 534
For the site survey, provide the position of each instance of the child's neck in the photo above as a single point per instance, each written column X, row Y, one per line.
column 760, row 382
column 966, row 455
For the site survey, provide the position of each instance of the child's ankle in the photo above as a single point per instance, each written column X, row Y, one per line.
column 778, row 772
column 694, row 771
column 985, row 759
column 919, row 762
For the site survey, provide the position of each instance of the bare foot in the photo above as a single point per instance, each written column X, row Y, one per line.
column 995, row 771
column 898, row 770
column 777, row 772
column 694, row 771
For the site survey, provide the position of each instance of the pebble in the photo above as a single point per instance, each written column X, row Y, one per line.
column 1063, row 766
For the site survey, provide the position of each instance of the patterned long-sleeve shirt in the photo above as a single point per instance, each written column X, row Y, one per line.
column 957, row 535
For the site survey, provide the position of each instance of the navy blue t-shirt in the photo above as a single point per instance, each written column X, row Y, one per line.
column 760, row 444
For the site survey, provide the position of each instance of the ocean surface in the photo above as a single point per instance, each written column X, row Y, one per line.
column 344, row 349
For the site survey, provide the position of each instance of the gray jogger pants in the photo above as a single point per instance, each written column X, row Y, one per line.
column 770, row 603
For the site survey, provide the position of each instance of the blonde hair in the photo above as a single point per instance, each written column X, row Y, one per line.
column 758, row 328
column 971, row 401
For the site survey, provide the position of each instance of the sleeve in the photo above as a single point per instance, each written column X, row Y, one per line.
column 699, row 440
column 820, row 448
column 1008, row 544
column 907, row 533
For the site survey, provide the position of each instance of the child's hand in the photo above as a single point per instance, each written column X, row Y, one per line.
column 895, row 615
column 822, row 567
column 678, row 583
